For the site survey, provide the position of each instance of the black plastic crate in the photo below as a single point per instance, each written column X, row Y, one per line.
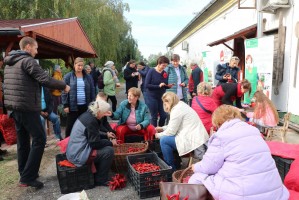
column 73, row 179
column 283, row 165
column 147, row 184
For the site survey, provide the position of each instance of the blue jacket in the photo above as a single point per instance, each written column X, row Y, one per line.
column 226, row 69
column 173, row 78
column 143, row 72
column 70, row 99
column 141, row 111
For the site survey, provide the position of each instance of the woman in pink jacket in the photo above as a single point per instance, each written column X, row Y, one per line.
column 238, row 162
column 204, row 105
column 265, row 113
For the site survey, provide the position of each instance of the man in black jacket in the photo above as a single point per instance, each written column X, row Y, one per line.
column 22, row 79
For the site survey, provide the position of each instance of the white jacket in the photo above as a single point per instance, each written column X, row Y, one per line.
column 187, row 128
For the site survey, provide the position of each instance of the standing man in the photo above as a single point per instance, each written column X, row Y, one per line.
column 177, row 77
column 143, row 69
column 131, row 75
column 95, row 75
column 228, row 72
column 195, row 78
column 23, row 78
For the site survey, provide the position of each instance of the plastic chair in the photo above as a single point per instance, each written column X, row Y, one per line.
column 281, row 129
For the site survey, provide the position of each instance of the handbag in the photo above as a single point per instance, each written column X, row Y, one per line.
column 184, row 190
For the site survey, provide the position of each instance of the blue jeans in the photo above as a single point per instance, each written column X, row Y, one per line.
column 168, row 145
column 52, row 117
column 156, row 106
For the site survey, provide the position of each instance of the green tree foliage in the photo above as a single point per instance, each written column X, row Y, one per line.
column 102, row 20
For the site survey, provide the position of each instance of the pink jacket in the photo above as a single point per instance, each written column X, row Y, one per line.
column 268, row 118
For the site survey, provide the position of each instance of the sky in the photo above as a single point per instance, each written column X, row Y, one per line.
column 156, row 22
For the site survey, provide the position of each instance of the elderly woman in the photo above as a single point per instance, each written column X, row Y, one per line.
column 184, row 132
column 86, row 140
column 81, row 94
column 238, row 162
column 134, row 117
column 204, row 105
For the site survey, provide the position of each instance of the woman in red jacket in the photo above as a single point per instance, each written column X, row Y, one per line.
column 227, row 93
column 204, row 105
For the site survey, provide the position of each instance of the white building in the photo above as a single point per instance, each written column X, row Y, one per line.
column 221, row 29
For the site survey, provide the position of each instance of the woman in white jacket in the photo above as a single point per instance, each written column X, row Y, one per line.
column 184, row 132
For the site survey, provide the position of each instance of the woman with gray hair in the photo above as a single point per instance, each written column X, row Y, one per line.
column 86, row 140
column 109, row 80
column 204, row 105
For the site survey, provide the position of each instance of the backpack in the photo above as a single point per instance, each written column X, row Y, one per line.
column 101, row 84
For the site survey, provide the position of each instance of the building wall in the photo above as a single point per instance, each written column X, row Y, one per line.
column 234, row 20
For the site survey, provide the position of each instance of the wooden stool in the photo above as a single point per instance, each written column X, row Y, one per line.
column 281, row 129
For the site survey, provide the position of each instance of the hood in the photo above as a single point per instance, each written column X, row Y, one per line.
column 14, row 56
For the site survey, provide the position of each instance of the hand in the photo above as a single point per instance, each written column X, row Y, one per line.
column 162, row 84
column 156, row 136
column 229, row 77
column 67, row 88
column 182, row 84
column 114, row 142
column 111, row 135
column 193, row 94
column 133, row 74
column 224, row 77
column 44, row 114
column 159, row 129
column 192, row 167
column 138, row 127
column 66, row 110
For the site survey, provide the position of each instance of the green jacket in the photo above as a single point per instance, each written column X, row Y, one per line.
column 173, row 78
column 109, row 88
column 141, row 111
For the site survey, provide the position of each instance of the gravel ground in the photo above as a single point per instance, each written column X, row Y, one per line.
column 48, row 175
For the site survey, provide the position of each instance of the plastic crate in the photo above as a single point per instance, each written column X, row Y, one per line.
column 283, row 165
column 147, row 184
column 73, row 179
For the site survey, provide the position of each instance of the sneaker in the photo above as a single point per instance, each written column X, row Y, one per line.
column 35, row 184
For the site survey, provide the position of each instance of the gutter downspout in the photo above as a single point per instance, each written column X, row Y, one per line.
column 259, row 20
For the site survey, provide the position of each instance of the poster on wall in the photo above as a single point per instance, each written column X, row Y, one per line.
column 207, row 67
column 259, row 65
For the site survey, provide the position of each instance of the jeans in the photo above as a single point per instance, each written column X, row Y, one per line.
column 103, row 163
column 156, row 106
column 168, row 145
column 52, row 117
column 28, row 125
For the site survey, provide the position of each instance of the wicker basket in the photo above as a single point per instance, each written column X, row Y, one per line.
column 120, row 154
column 179, row 175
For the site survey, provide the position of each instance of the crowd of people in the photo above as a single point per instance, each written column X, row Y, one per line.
column 228, row 158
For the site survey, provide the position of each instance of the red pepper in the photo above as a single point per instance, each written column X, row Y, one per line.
column 186, row 198
column 118, row 182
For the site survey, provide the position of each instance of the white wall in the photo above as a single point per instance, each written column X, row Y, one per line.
column 233, row 21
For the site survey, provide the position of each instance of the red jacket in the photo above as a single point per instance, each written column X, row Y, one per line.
column 208, row 103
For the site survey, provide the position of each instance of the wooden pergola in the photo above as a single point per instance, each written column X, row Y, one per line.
column 57, row 38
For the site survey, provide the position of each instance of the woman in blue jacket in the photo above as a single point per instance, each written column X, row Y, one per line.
column 81, row 94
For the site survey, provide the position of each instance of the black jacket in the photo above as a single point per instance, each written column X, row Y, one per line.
column 48, row 100
column 22, row 79
column 130, row 80
column 226, row 69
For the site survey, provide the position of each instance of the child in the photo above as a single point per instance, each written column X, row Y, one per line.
column 264, row 113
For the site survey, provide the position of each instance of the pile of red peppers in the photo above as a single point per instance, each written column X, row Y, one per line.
column 118, row 182
column 145, row 167
column 176, row 196
column 134, row 149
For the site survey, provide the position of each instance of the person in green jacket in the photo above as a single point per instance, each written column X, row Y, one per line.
column 134, row 117
column 109, row 83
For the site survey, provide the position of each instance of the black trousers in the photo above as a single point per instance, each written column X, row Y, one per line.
column 72, row 117
column 103, row 163
column 114, row 102
column 28, row 124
